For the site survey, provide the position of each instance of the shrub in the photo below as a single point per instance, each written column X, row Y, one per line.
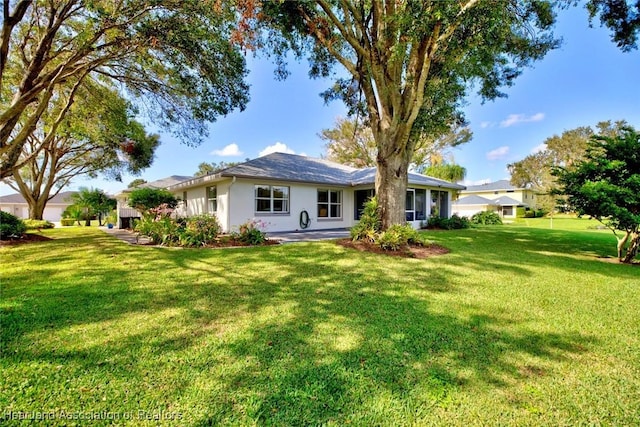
column 65, row 222
column 369, row 225
column 486, row 218
column 397, row 236
column 164, row 231
column 200, row 230
column 454, row 223
column 147, row 199
column 37, row 224
column 458, row 222
column 11, row 227
column 251, row 232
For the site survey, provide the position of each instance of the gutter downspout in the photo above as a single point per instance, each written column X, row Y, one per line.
column 233, row 181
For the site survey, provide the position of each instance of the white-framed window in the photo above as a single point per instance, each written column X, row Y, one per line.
column 212, row 198
column 329, row 204
column 272, row 199
column 184, row 200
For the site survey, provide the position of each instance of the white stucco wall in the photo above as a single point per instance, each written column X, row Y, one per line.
column 301, row 197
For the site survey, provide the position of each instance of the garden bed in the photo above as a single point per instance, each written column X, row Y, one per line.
column 408, row 251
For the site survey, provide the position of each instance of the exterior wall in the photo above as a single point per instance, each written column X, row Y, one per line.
column 470, row 210
column 526, row 197
column 51, row 213
column 198, row 203
column 302, row 197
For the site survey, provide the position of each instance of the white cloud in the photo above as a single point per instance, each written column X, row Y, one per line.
column 539, row 148
column 514, row 119
column 484, row 125
column 498, row 153
column 231, row 150
column 278, row 147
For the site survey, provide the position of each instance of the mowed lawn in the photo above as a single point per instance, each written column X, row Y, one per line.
column 518, row 325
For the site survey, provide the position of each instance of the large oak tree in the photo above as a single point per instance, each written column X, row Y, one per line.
column 174, row 57
column 411, row 63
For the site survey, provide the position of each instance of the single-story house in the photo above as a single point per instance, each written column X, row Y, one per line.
column 17, row 205
column 126, row 213
column 290, row 192
column 500, row 196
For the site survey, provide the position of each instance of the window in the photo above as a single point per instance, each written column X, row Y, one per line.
column 272, row 199
column 329, row 204
column 212, row 198
column 184, row 199
column 409, row 205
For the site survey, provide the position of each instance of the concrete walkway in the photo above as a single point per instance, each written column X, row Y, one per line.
column 126, row 236
column 309, row 235
column 285, row 237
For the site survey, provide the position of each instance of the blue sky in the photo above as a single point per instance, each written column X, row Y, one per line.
column 587, row 80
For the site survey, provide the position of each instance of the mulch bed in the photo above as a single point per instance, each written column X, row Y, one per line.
column 26, row 238
column 410, row 251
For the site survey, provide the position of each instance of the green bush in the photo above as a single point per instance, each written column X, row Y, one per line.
column 38, row 224
column 540, row 213
column 397, row 236
column 454, row 223
column 251, row 232
column 165, row 231
column 11, row 227
column 486, row 218
column 368, row 227
column 146, row 200
column 65, row 222
column 200, row 230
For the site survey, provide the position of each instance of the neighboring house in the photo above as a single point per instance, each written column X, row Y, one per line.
column 126, row 213
column 283, row 190
column 499, row 196
column 17, row 205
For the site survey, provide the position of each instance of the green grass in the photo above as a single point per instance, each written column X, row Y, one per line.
column 518, row 325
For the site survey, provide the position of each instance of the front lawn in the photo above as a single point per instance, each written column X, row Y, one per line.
column 517, row 325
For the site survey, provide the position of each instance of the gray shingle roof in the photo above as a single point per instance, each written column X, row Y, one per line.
column 295, row 168
column 63, row 197
column 165, row 182
column 507, row 201
column 474, row 200
column 503, row 184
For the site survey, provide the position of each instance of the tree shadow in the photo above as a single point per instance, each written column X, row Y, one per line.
column 325, row 331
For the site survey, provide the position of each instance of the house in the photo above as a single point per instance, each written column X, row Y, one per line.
column 126, row 213
column 17, row 205
column 499, row 196
column 290, row 192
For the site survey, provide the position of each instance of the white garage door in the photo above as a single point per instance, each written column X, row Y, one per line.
column 52, row 214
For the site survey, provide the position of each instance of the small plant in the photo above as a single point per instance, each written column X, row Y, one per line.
column 11, row 227
column 454, row 223
column 164, row 231
column 37, row 224
column 368, row 227
column 200, row 230
column 486, row 218
column 397, row 236
column 251, row 232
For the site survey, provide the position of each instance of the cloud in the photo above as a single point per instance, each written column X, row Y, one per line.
column 231, row 150
column 278, row 147
column 514, row 119
column 539, row 148
column 484, row 125
column 498, row 153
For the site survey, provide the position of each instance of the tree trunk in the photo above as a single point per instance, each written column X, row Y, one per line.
column 391, row 190
column 36, row 209
column 632, row 250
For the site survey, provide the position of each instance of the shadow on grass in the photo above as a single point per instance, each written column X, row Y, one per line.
column 310, row 333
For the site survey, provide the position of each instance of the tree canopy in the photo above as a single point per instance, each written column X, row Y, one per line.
column 564, row 150
column 410, row 65
column 606, row 186
column 352, row 143
column 175, row 58
column 205, row 168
